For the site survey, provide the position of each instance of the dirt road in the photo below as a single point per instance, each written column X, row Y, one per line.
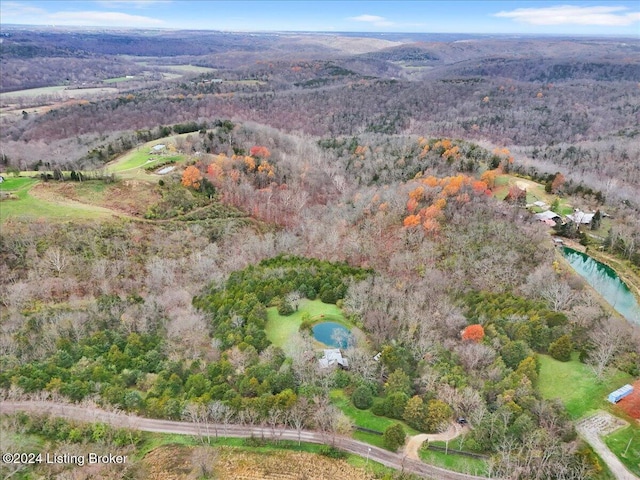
column 414, row 443
column 590, row 430
column 88, row 414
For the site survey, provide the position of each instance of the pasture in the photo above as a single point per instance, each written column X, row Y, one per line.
column 188, row 68
column 59, row 91
column 34, row 201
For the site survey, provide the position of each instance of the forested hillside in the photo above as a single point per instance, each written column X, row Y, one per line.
column 171, row 242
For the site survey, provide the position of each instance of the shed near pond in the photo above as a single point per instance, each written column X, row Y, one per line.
column 619, row 394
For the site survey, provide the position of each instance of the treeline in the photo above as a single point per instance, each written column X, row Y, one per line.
column 134, row 371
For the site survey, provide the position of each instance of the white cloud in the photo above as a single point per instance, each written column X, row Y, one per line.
column 573, row 15
column 106, row 19
column 19, row 13
column 130, row 3
column 372, row 19
column 17, row 9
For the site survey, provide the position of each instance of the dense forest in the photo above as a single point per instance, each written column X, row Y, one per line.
column 360, row 185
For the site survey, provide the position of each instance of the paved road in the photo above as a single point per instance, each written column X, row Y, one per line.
column 88, row 414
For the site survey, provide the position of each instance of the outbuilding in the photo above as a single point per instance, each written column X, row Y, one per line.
column 619, row 394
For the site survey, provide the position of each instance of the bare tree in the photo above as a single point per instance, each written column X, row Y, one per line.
column 194, row 413
column 219, row 413
column 607, row 339
column 57, row 260
column 298, row 415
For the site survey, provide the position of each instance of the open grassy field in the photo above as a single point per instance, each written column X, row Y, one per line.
column 137, row 159
column 576, row 385
column 31, row 199
column 119, row 79
column 364, row 418
column 625, row 443
column 59, row 91
column 140, row 158
column 280, row 329
column 188, row 68
column 15, row 184
column 459, row 463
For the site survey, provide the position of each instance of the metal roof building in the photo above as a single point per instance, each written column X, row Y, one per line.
column 619, row 394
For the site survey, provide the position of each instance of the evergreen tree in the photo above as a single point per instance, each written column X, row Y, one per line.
column 394, row 437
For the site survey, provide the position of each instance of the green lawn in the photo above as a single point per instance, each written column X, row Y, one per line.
column 13, row 184
column 576, row 385
column 24, row 205
column 458, row 463
column 535, row 192
column 625, row 443
column 364, row 418
column 280, row 329
column 141, row 157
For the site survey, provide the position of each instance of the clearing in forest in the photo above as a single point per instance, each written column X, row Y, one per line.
column 29, row 198
column 141, row 158
column 535, row 191
column 280, row 329
column 576, row 385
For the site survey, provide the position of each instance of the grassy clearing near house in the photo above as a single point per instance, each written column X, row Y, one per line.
column 140, row 158
column 458, row 463
column 576, row 385
column 535, row 191
column 364, row 418
column 625, row 444
column 280, row 329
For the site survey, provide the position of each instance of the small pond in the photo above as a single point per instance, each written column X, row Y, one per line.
column 332, row 334
column 605, row 281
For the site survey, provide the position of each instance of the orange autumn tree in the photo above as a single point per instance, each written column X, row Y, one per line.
column 411, row 221
column 191, row 177
column 474, row 333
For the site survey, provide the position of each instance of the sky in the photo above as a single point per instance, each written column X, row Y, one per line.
column 603, row 17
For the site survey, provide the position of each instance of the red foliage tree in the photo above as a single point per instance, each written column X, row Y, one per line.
column 474, row 333
column 259, row 151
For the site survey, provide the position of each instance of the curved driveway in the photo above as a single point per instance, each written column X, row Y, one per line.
column 88, row 414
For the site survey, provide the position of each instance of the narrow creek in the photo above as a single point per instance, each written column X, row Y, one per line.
column 606, row 282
